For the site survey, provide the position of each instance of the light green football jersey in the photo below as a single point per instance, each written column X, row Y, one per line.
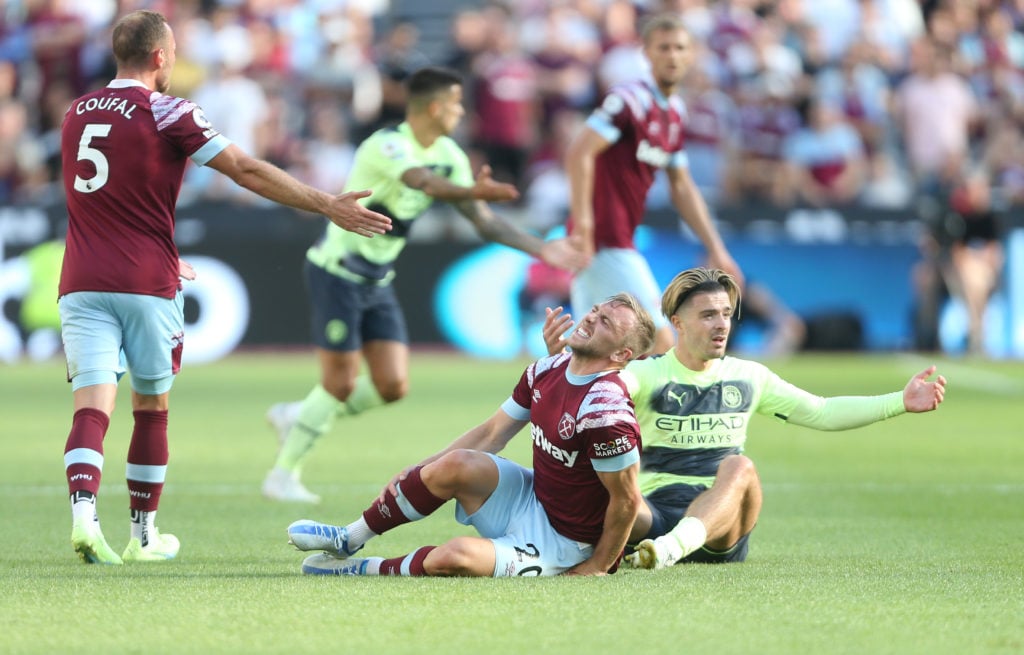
column 691, row 420
column 380, row 161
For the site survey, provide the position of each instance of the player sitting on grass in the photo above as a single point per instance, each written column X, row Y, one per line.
column 570, row 514
column 694, row 404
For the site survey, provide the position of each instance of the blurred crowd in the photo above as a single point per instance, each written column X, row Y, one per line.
column 791, row 102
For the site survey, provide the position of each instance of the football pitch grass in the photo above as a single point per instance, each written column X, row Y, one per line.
column 901, row 537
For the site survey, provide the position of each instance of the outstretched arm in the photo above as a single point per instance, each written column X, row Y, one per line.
column 561, row 253
column 845, row 412
column 274, row 184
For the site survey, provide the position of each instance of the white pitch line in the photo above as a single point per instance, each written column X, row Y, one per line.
column 973, row 377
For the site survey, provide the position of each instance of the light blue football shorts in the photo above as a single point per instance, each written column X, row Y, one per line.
column 106, row 333
column 516, row 523
column 612, row 271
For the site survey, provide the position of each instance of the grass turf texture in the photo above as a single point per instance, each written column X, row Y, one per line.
column 902, row 537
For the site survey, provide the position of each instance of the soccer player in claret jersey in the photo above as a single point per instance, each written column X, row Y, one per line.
column 124, row 150
column 611, row 164
column 356, row 317
column 570, row 514
column 694, row 404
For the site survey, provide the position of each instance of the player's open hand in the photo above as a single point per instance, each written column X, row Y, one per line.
column 556, row 325
column 346, row 212
column 922, row 395
column 564, row 253
column 486, row 188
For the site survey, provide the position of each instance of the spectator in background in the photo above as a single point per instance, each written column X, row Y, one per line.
column 232, row 99
column 396, row 57
column 962, row 258
column 887, row 28
column 935, row 111
column 711, row 129
column 468, row 40
column 505, row 126
column 326, row 154
column 547, row 189
column 565, row 49
column 976, row 258
column 58, row 39
column 1003, row 157
column 622, row 53
column 767, row 118
column 22, row 160
column 825, row 160
column 860, row 88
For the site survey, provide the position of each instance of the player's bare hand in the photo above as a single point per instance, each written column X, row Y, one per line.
column 585, row 568
column 486, row 188
column 556, row 325
column 564, row 253
column 185, row 270
column 922, row 394
column 348, row 214
column 392, row 485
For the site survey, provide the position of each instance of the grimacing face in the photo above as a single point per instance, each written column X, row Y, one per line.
column 602, row 331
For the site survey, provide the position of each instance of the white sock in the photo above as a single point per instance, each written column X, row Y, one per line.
column 143, row 524
column 83, row 509
column 690, row 534
column 359, row 533
column 373, row 565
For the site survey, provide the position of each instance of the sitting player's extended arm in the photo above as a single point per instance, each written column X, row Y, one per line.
column 272, row 183
column 845, row 412
column 624, row 504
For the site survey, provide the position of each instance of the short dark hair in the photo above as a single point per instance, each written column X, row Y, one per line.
column 137, row 35
column 426, row 83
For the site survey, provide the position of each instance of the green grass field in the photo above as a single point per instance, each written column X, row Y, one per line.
column 902, row 537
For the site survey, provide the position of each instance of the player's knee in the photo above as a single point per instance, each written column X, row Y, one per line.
column 455, row 471
column 392, row 390
column 739, row 469
column 456, row 557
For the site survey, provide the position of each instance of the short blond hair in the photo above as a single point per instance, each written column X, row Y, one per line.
column 640, row 339
column 698, row 280
column 662, row 22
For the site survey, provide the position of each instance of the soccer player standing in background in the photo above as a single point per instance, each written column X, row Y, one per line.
column 611, row 164
column 124, row 150
column 355, row 311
